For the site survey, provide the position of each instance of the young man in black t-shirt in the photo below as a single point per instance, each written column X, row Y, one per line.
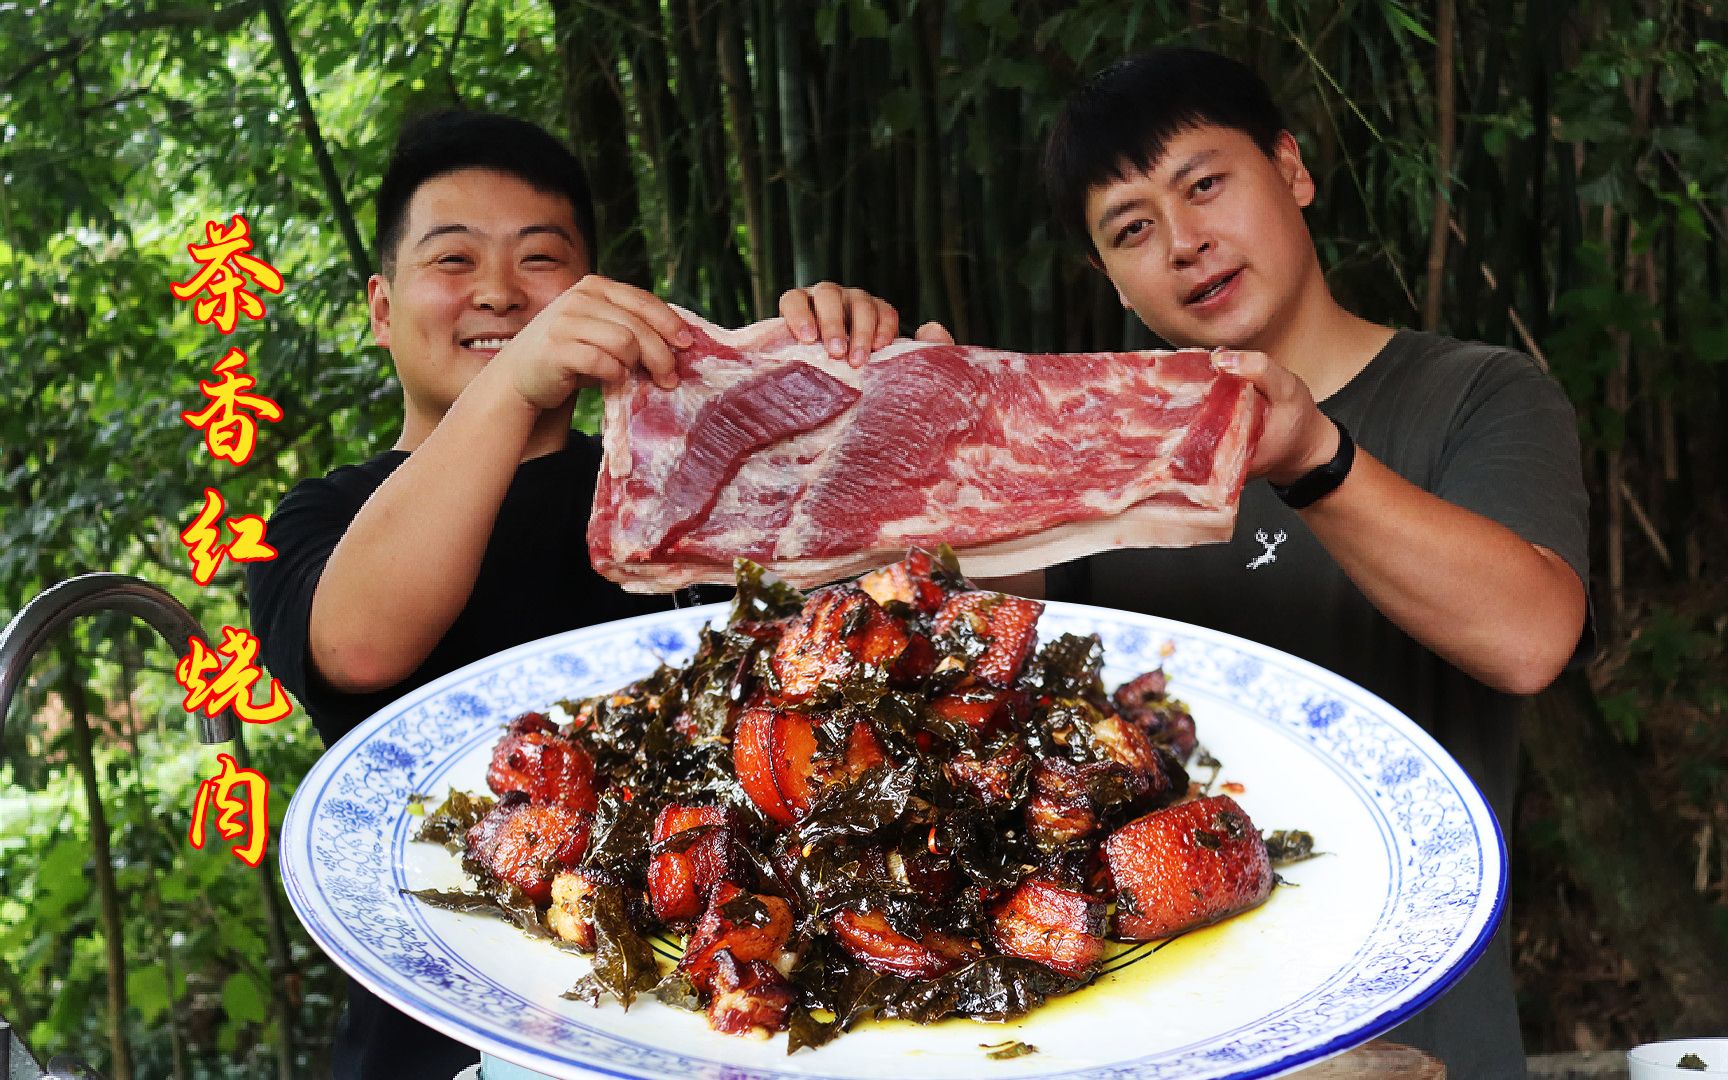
column 1424, row 530
column 468, row 536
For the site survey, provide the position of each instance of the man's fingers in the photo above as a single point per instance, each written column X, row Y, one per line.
column 862, row 319
column 650, row 310
column 800, row 317
column 887, row 325
column 1236, row 363
column 600, row 364
column 848, row 322
column 935, row 333
column 1271, row 379
column 830, row 304
column 630, row 340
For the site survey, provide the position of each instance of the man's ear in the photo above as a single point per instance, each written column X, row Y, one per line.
column 1098, row 265
column 1288, row 157
column 378, row 306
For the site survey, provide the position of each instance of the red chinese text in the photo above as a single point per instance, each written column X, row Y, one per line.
column 235, row 670
column 225, row 268
column 230, row 430
column 202, row 539
column 254, row 808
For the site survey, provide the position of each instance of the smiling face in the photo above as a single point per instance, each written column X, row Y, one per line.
column 1209, row 246
column 481, row 253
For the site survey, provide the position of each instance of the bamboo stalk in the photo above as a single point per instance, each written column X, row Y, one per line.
column 850, row 229
column 1541, row 60
column 741, row 132
column 1668, row 441
column 926, row 199
column 1722, row 846
column 995, row 245
column 153, row 896
column 1701, row 874
column 775, row 253
column 795, row 144
column 1524, row 336
column 276, row 935
column 672, row 176
column 690, row 224
column 284, row 42
column 456, row 37
column 595, row 115
column 1714, row 290
column 1444, row 122
column 1614, row 485
column 1645, row 525
column 107, row 891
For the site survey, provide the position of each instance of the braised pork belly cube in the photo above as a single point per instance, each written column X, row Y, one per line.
column 840, row 630
column 774, row 755
column 1061, row 928
column 984, row 709
column 779, row 762
column 1007, row 627
column 1186, row 866
column 869, row 938
column 862, row 752
column 916, row 663
column 527, row 845
column 1062, row 808
column 749, row 998
column 747, row 926
column 933, row 876
column 571, row 914
column 534, row 759
column 911, row 581
column 696, row 848
column 1122, row 742
column 1142, row 701
column 997, row 782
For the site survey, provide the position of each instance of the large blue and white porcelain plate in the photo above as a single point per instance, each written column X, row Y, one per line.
column 1402, row 902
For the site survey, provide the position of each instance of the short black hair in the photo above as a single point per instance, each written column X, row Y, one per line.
column 1127, row 114
column 449, row 140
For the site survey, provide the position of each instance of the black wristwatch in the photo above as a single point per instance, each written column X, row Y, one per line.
column 1322, row 480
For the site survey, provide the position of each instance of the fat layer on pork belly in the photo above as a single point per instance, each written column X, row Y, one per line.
column 1019, row 461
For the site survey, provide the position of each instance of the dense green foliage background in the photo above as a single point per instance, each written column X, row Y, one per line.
column 1540, row 173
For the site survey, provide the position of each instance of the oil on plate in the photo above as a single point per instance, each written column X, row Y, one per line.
column 1404, row 898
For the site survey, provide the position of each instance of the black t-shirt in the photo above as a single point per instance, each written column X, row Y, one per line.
column 535, row 579
column 1481, row 427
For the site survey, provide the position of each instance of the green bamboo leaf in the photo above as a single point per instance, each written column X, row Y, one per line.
column 827, row 24
column 1395, row 12
column 900, row 111
column 1624, row 715
column 867, row 19
column 240, row 938
column 243, row 999
column 147, row 991
column 63, row 864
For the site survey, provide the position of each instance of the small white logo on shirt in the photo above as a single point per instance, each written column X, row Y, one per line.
column 1270, row 555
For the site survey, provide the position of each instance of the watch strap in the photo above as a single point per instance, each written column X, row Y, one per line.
column 1321, row 480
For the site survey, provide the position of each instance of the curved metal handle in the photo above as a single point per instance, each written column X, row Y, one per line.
column 31, row 628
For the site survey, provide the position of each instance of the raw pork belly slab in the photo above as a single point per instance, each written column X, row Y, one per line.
column 772, row 450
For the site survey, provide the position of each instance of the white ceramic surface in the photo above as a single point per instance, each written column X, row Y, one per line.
column 1661, row 1060
column 1404, row 900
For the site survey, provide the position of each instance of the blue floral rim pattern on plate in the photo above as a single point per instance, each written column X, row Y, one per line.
column 347, row 830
